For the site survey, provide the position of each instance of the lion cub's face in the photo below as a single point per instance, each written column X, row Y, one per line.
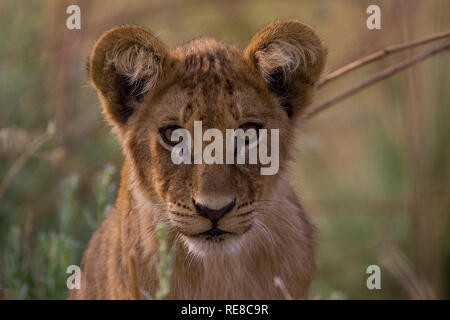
column 211, row 205
column 149, row 92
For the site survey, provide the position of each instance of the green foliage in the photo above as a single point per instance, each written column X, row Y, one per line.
column 166, row 257
column 54, row 252
column 36, row 268
column 104, row 189
column 14, row 278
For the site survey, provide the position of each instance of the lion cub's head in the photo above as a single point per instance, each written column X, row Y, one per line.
column 148, row 92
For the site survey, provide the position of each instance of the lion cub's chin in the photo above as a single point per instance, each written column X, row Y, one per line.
column 205, row 245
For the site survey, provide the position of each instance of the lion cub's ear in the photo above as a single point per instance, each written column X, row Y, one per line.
column 125, row 64
column 290, row 57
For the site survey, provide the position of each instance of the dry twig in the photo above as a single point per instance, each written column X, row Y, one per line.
column 379, row 55
column 377, row 77
column 29, row 151
column 280, row 284
column 402, row 269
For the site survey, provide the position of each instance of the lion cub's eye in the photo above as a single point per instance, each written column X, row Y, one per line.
column 166, row 134
column 253, row 135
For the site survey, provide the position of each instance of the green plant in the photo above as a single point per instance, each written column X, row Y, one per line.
column 34, row 267
column 166, row 257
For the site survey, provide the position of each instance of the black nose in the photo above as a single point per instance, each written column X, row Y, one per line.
column 213, row 214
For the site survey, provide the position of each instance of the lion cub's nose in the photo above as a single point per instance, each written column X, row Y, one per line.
column 213, row 214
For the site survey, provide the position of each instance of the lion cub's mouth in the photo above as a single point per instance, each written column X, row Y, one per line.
column 217, row 234
column 214, row 232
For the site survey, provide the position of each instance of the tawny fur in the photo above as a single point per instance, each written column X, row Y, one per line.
column 143, row 87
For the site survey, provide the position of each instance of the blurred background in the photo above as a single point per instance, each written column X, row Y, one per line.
column 372, row 171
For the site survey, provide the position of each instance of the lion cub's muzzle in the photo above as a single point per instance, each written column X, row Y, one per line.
column 214, row 215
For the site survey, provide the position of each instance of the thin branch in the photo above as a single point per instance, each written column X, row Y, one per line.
column 378, row 77
column 402, row 269
column 280, row 284
column 380, row 54
column 19, row 163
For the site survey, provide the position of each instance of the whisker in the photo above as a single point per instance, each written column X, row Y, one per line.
column 266, row 231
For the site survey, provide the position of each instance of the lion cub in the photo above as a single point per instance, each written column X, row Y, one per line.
column 234, row 229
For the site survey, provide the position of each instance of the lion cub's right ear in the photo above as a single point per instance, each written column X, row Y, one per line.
column 126, row 64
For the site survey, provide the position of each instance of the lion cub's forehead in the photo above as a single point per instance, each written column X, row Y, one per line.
column 204, row 57
column 207, row 47
column 211, row 82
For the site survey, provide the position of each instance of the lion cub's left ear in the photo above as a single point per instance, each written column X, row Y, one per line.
column 290, row 57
